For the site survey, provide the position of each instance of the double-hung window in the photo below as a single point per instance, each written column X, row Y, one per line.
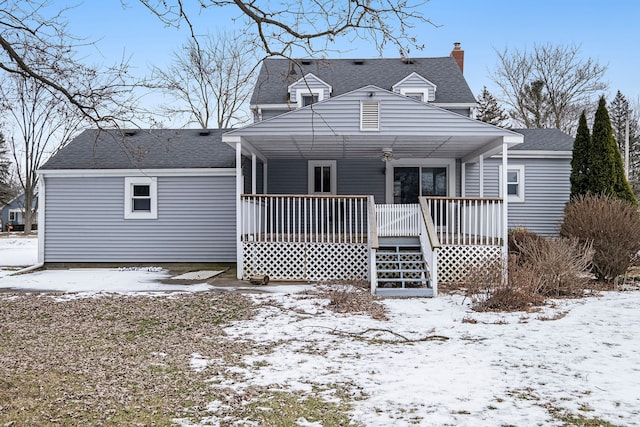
column 322, row 177
column 515, row 183
column 140, row 198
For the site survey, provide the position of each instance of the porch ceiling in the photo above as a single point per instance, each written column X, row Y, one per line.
column 370, row 146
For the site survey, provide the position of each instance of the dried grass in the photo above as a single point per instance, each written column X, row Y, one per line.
column 111, row 360
column 352, row 298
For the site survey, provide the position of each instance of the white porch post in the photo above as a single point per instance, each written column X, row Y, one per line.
column 253, row 173
column 505, row 211
column 481, row 166
column 239, row 182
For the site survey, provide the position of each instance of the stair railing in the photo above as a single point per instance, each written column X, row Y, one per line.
column 429, row 242
column 372, row 241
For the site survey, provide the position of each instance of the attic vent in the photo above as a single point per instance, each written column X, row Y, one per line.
column 407, row 61
column 358, row 61
column 370, row 115
column 306, row 62
column 204, row 132
column 129, row 132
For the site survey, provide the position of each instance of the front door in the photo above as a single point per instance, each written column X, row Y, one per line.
column 411, row 182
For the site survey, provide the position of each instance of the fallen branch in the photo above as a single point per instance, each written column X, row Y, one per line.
column 389, row 331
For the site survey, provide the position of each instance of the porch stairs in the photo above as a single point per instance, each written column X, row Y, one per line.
column 401, row 268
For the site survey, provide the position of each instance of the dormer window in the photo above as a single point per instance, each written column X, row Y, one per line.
column 415, row 95
column 417, row 87
column 308, row 90
column 309, row 98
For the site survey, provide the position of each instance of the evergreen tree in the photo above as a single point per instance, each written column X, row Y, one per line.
column 605, row 166
column 619, row 112
column 489, row 111
column 580, row 159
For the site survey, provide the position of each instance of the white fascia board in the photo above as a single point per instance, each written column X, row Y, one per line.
column 82, row 173
column 537, row 154
column 454, row 104
column 307, row 77
column 270, row 106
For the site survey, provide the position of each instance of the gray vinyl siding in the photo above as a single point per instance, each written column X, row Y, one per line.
column 362, row 177
column 267, row 114
column 287, row 177
column 354, row 177
column 85, row 221
column 397, row 118
column 546, row 191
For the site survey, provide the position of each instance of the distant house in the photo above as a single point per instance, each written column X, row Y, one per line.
column 365, row 169
column 12, row 214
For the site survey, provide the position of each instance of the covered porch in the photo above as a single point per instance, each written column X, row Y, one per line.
column 321, row 199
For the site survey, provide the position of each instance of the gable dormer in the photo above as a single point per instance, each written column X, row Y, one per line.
column 416, row 86
column 308, row 90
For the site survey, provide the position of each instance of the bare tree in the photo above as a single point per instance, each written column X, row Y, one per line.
column 42, row 124
column 6, row 187
column 210, row 80
column 280, row 28
column 35, row 44
column 549, row 86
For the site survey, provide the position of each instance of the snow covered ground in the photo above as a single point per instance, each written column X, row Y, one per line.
column 580, row 356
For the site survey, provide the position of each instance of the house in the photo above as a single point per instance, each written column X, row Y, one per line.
column 12, row 214
column 366, row 169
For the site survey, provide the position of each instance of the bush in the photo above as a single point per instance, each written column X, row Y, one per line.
column 612, row 225
column 519, row 237
column 541, row 268
column 555, row 267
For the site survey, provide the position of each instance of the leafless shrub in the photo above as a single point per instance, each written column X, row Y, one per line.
column 557, row 267
column 540, row 268
column 488, row 290
column 520, row 236
column 612, row 225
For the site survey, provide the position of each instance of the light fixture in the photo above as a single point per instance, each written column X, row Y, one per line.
column 370, row 94
column 387, row 154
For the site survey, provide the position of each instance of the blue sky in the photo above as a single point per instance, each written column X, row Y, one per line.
column 606, row 31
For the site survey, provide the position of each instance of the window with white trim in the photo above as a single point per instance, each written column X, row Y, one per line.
column 12, row 215
column 322, row 177
column 421, row 94
column 140, row 198
column 515, row 183
column 370, row 115
column 306, row 97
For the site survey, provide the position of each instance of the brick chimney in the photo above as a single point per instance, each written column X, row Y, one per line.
column 458, row 55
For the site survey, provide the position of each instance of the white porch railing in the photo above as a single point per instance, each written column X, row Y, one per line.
column 398, row 220
column 298, row 218
column 429, row 243
column 467, row 221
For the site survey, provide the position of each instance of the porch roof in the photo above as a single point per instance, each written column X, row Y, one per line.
column 331, row 130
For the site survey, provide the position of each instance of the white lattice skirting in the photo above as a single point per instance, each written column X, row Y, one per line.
column 306, row 261
column 454, row 261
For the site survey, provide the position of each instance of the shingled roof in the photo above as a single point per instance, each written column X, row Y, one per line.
column 145, row 149
column 346, row 75
column 544, row 140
